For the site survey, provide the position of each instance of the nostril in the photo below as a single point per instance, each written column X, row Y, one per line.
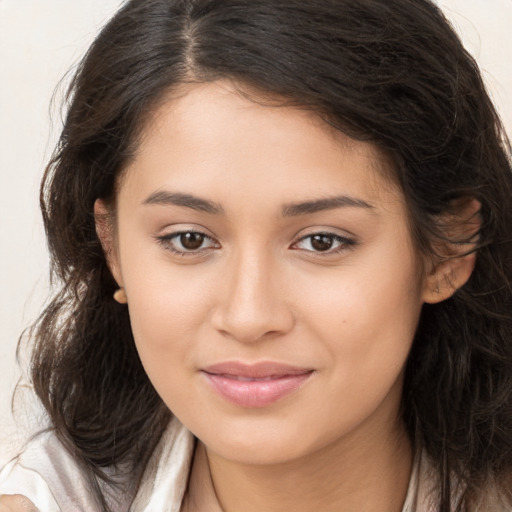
column 251, row 304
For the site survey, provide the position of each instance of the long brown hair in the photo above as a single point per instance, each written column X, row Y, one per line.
column 387, row 71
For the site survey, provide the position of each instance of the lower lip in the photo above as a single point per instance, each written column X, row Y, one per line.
column 256, row 393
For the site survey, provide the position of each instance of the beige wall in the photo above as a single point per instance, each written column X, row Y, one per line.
column 39, row 40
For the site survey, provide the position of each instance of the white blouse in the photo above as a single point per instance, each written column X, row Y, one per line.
column 47, row 474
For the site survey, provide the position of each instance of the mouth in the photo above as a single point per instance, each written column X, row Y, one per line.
column 255, row 385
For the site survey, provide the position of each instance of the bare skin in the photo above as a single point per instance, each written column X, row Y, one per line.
column 16, row 503
column 260, row 489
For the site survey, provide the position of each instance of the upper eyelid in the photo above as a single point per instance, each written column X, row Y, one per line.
column 337, row 233
column 176, row 232
column 183, row 232
column 324, row 230
column 325, row 233
column 341, row 238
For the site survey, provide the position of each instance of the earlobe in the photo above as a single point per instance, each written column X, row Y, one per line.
column 120, row 296
column 106, row 234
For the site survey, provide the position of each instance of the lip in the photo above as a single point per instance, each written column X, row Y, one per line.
column 255, row 385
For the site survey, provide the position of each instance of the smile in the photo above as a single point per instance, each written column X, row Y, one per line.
column 255, row 386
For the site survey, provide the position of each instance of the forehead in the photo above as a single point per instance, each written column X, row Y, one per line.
column 210, row 137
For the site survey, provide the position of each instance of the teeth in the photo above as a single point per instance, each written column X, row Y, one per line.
column 250, row 379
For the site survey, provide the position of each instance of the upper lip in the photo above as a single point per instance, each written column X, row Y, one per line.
column 255, row 370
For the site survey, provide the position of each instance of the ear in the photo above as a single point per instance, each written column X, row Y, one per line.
column 455, row 253
column 105, row 230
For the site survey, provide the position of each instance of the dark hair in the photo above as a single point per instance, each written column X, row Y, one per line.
column 391, row 72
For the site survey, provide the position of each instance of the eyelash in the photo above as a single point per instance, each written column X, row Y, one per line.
column 167, row 242
column 345, row 243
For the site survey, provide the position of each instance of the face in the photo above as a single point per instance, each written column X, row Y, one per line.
column 272, row 284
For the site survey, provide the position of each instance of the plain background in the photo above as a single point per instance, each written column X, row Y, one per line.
column 40, row 40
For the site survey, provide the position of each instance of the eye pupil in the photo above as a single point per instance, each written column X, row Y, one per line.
column 321, row 242
column 191, row 241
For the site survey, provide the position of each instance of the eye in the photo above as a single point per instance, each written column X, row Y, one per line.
column 187, row 242
column 324, row 243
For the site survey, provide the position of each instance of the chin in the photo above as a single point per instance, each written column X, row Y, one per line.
column 258, row 443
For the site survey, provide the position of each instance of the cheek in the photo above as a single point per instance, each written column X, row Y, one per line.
column 167, row 324
column 364, row 298
column 367, row 316
column 168, row 306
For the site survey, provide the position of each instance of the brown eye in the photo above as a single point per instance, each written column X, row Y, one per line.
column 329, row 243
column 322, row 242
column 191, row 241
column 188, row 243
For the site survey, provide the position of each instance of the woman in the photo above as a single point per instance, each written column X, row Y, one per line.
column 283, row 232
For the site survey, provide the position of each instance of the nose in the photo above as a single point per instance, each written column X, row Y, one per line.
column 253, row 301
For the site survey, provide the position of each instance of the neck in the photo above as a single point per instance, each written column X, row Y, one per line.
column 348, row 476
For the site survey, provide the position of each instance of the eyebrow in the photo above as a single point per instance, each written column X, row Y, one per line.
column 327, row 203
column 163, row 197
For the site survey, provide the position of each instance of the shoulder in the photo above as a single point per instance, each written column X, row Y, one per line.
column 495, row 496
column 23, row 475
column 423, row 491
column 165, row 478
column 47, row 474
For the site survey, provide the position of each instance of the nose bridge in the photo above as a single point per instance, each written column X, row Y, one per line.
column 253, row 304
